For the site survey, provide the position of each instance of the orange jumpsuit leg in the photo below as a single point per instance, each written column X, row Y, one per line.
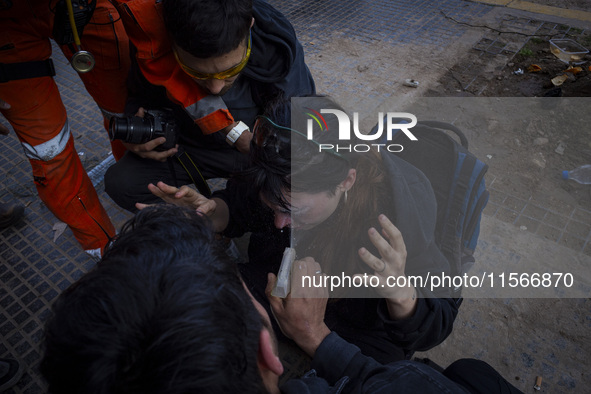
column 39, row 118
column 104, row 36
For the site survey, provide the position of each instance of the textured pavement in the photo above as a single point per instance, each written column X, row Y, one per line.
column 37, row 263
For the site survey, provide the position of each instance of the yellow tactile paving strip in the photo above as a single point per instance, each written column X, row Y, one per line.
column 540, row 9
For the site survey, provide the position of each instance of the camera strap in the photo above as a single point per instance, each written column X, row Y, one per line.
column 26, row 70
column 191, row 168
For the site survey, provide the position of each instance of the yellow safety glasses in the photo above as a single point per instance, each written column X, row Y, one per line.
column 229, row 73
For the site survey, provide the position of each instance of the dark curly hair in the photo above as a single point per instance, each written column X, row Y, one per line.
column 164, row 312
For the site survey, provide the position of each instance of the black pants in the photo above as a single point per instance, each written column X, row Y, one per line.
column 126, row 182
column 478, row 377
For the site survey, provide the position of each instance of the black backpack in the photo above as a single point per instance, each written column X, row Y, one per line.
column 457, row 178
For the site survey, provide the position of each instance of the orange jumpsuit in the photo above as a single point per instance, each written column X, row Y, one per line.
column 38, row 115
column 144, row 24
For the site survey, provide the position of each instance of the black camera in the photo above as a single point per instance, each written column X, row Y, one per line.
column 155, row 123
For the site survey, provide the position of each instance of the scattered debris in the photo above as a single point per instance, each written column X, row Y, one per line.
column 540, row 141
column 534, row 68
column 557, row 81
column 560, row 148
column 568, row 50
column 573, row 70
column 363, row 68
column 59, row 229
column 539, row 160
column 523, row 228
column 489, row 156
column 519, row 71
column 538, row 385
column 411, row 83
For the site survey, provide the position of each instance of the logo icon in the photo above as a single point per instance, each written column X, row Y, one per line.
column 317, row 117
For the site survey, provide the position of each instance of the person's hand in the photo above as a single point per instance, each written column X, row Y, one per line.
column 146, row 150
column 301, row 319
column 183, row 197
column 401, row 301
column 3, row 129
column 243, row 142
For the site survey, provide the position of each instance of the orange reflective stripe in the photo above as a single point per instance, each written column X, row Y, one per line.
column 215, row 119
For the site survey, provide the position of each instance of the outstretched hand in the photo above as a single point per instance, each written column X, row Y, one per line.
column 183, row 197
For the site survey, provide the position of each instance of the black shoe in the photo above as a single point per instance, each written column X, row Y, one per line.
column 10, row 214
column 10, row 373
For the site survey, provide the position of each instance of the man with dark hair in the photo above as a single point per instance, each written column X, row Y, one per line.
column 165, row 311
column 215, row 64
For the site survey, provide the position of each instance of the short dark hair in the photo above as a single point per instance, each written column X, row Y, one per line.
column 164, row 312
column 208, row 28
column 287, row 156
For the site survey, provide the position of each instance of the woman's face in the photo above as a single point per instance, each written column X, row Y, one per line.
column 307, row 210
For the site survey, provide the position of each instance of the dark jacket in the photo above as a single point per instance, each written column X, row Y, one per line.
column 339, row 367
column 364, row 322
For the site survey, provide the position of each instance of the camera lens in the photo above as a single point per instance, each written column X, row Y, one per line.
column 133, row 129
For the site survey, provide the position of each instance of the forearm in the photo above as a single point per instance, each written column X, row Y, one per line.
column 429, row 325
column 336, row 358
column 310, row 343
column 402, row 308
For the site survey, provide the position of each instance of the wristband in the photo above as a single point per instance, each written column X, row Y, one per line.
column 236, row 132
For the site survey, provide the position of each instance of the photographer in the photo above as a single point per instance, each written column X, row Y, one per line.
column 214, row 64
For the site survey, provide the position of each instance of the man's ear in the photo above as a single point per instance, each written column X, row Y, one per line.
column 267, row 359
column 349, row 181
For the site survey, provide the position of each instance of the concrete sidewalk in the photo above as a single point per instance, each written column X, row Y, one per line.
column 360, row 52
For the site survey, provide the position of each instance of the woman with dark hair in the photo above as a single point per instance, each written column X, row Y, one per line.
column 303, row 190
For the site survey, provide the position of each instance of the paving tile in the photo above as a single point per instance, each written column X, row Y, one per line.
column 582, row 215
column 506, row 215
column 490, row 209
column 549, row 232
column 571, row 241
column 497, row 196
column 556, row 220
column 534, row 212
column 578, row 229
column 530, row 224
